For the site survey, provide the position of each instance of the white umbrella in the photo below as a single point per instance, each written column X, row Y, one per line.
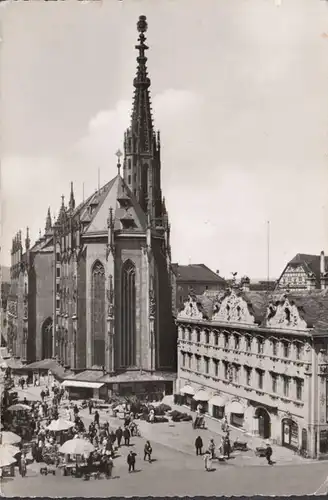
column 9, row 448
column 6, row 458
column 60, row 425
column 19, row 407
column 77, row 447
column 7, row 437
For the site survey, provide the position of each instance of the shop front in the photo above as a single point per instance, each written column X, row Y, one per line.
column 78, row 389
column 187, row 392
column 237, row 413
column 290, row 434
column 216, row 407
column 201, row 398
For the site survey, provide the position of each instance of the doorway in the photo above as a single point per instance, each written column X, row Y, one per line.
column 264, row 423
column 290, row 434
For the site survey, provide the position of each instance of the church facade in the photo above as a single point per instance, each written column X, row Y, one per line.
column 108, row 264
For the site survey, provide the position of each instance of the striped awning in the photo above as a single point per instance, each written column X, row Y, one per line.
column 217, row 401
column 81, row 384
column 235, row 407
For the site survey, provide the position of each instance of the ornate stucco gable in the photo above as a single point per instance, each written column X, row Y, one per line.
column 284, row 314
column 234, row 309
column 191, row 309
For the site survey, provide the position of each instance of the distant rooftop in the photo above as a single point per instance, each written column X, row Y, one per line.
column 196, row 273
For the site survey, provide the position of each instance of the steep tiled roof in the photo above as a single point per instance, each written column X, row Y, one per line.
column 312, row 306
column 196, row 272
column 311, row 263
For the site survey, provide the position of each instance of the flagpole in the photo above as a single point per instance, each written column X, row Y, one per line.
column 268, row 254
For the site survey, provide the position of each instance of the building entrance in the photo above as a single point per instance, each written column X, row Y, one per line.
column 290, row 437
column 264, row 423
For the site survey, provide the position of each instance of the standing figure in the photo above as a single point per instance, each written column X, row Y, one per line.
column 148, row 451
column 198, row 445
column 268, row 454
column 131, row 460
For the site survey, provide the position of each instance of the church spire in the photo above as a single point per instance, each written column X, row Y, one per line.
column 48, row 222
column 141, row 166
column 71, row 199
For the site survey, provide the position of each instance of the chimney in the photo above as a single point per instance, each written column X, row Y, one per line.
column 323, row 276
column 217, row 272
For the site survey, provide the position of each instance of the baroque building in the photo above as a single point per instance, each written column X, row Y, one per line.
column 109, row 267
column 261, row 360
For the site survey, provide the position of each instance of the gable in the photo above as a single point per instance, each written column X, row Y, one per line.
column 234, row 309
column 190, row 310
column 295, row 275
column 285, row 314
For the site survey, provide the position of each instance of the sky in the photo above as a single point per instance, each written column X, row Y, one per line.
column 239, row 93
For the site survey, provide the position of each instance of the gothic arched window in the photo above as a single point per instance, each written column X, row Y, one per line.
column 98, row 316
column 128, row 315
column 47, row 339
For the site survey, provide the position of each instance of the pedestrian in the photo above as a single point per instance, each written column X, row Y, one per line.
column 90, row 404
column 22, row 466
column 109, row 467
column 226, row 447
column 131, row 460
column 42, row 394
column 198, row 445
column 96, row 418
column 208, row 460
column 148, row 451
column 268, row 454
column 211, row 449
column 119, row 435
column 127, row 435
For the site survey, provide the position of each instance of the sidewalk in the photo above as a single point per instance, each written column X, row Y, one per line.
column 280, row 453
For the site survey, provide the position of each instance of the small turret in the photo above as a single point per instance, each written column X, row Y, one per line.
column 48, row 226
column 27, row 240
column 71, row 199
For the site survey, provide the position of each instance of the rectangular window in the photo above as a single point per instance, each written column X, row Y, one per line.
column 299, row 389
column 298, row 350
column 207, row 337
column 57, row 304
column 237, row 342
column 248, row 344
column 189, row 335
column 207, row 364
column 198, row 336
column 189, row 361
column 286, row 386
column 58, row 256
column 236, row 370
column 183, row 355
column 260, row 346
column 129, row 179
column 216, row 338
column 274, row 379
column 274, row 348
column 198, row 363
column 58, row 272
column 216, row 367
column 248, row 373
column 260, row 375
column 286, row 349
column 57, row 287
column 226, row 340
column 226, row 370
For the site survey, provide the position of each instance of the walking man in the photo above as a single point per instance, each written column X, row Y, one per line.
column 119, row 435
column 268, row 454
column 198, row 445
column 131, row 460
column 148, row 451
column 127, row 435
column 208, row 461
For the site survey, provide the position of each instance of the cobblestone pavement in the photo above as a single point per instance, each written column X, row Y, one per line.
column 174, row 454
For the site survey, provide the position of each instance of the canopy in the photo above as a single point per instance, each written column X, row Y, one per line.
column 201, row 396
column 9, row 448
column 19, row 407
column 60, row 425
column 217, row 401
column 7, row 437
column 80, row 383
column 187, row 389
column 6, row 458
column 77, row 446
column 235, row 407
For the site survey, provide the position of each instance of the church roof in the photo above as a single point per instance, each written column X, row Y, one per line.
column 116, row 195
column 196, row 272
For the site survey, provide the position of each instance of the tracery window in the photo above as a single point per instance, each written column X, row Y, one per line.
column 128, row 315
column 98, row 316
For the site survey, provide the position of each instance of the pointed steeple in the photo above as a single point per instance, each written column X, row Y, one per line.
column 141, row 166
column 62, row 211
column 48, row 222
column 71, row 199
column 142, row 123
column 27, row 239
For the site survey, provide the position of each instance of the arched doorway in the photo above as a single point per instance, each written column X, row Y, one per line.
column 264, row 423
column 47, row 339
column 290, row 437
